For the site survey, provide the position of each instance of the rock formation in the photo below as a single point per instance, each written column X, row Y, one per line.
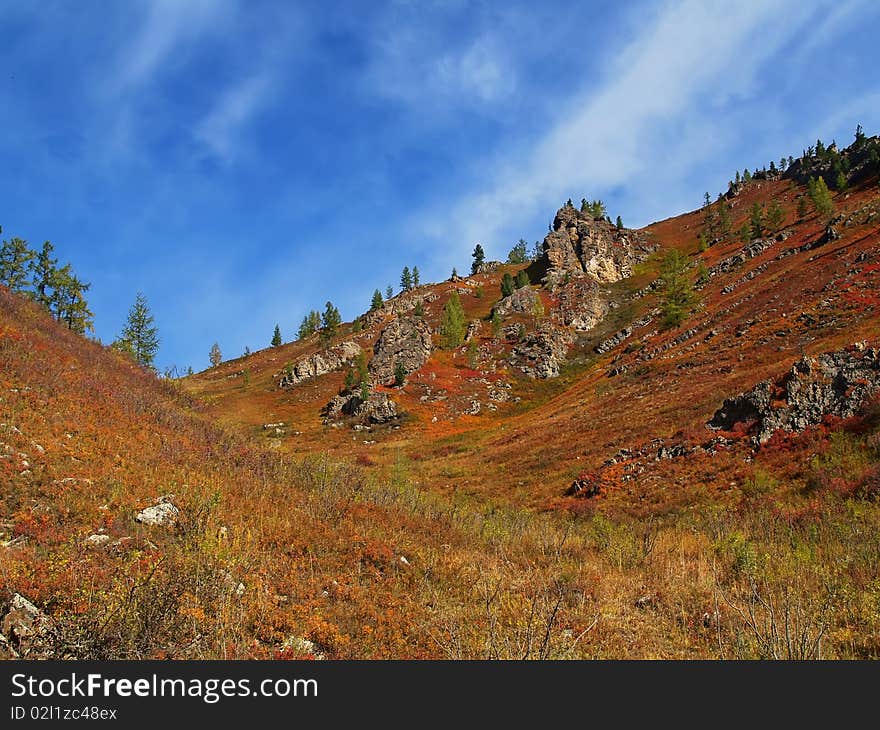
column 326, row 361
column 580, row 244
column 834, row 384
column 377, row 408
column 406, row 343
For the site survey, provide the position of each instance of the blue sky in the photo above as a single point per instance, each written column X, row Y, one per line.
column 242, row 162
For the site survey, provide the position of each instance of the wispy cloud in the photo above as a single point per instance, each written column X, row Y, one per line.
column 167, row 25
column 221, row 129
column 690, row 59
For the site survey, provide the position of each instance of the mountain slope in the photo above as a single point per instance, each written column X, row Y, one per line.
column 551, row 488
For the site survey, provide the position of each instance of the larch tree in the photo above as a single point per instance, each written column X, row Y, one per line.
column 140, row 336
column 276, row 337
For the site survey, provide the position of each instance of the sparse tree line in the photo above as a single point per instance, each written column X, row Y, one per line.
column 38, row 275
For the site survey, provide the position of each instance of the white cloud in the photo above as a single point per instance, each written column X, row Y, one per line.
column 689, row 61
column 221, row 129
column 168, row 25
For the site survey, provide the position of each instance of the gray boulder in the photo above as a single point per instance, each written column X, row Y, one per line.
column 405, row 343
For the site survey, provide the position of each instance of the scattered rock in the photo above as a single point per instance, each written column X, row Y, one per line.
column 302, row 647
column 97, row 540
column 163, row 513
column 24, row 628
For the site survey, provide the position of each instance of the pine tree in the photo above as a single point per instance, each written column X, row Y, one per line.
column 508, row 285
column 479, row 256
column 677, row 295
column 747, row 176
column 522, row 279
column 619, row 223
column 389, row 292
column 309, row 325
column 67, row 301
column 454, row 273
column 775, row 216
column 519, row 253
column 415, row 276
column 376, row 303
column 406, row 282
column 724, row 222
column 802, row 207
column 820, row 196
column 399, row 373
column 840, row 182
column 44, row 268
column 330, row 321
column 15, row 263
column 140, row 337
column 452, row 325
column 215, row 355
column 276, row 337
column 756, row 221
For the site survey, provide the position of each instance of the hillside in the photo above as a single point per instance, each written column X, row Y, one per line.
column 576, row 479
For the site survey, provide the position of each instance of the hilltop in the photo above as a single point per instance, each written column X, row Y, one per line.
column 598, row 460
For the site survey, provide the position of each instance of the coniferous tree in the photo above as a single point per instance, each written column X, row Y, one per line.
column 215, row 355
column 756, row 221
column 724, row 222
column 619, row 223
column 68, row 303
column 454, row 273
column 747, row 176
column 415, row 276
column 44, row 267
column 276, row 337
column 802, row 207
column 15, row 263
column 508, row 285
column 452, row 325
column 821, row 196
column 376, row 302
column 677, row 295
column 775, row 216
column 330, row 321
column 309, row 325
column 140, row 336
column 406, row 282
column 389, row 292
column 479, row 257
column 522, row 279
column 519, row 253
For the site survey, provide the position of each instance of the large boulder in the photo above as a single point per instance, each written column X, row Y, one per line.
column 163, row 513
column 321, row 363
column 834, row 384
column 376, row 408
column 403, row 343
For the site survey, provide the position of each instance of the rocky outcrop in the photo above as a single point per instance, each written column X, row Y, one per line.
column 540, row 354
column 834, row 384
column 403, row 343
column 522, row 301
column 582, row 304
column 581, row 244
column 376, row 408
column 321, row 363
column 403, row 303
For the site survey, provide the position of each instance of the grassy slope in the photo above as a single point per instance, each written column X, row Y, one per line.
column 318, row 543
